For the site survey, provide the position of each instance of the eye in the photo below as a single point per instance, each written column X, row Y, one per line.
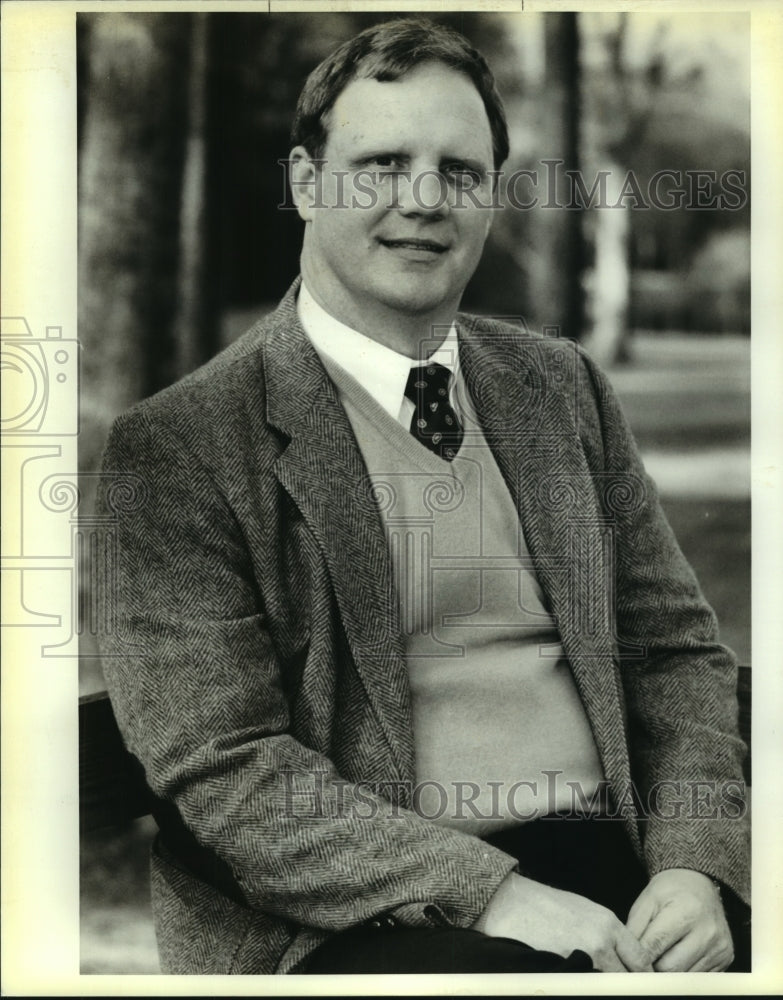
column 463, row 175
column 385, row 162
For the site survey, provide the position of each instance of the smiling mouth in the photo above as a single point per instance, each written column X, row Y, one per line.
column 413, row 244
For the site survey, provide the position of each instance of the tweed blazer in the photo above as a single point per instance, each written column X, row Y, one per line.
column 256, row 666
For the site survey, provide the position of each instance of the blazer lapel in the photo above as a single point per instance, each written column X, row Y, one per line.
column 519, row 386
column 323, row 471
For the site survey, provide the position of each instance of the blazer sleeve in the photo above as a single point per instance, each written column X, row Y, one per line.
column 685, row 748
column 198, row 695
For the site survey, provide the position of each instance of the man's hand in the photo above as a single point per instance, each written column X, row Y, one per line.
column 549, row 919
column 679, row 920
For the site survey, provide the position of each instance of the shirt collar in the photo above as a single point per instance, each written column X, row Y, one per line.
column 381, row 371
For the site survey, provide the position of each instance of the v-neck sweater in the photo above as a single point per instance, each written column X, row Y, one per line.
column 500, row 733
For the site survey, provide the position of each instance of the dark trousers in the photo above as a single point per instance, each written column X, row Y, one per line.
column 588, row 856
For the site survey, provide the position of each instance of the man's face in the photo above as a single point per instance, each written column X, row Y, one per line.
column 398, row 234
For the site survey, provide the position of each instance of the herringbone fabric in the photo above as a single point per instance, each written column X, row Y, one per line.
column 254, row 658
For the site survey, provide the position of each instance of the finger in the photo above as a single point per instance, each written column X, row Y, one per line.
column 717, row 956
column 632, row 954
column 693, row 955
column 714, row 962
column 663, row 932
column 641, row 914
column 687, row 954
column 608, row 960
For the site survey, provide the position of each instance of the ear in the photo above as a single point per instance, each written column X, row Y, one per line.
column 304, row 177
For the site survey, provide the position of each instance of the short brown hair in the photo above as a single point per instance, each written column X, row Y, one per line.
column 388, row 51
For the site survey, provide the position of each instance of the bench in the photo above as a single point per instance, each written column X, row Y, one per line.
column 112, row 788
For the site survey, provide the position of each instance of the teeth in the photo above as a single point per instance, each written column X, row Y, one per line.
column 414, row 246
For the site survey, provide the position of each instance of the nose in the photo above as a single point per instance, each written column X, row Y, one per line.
column 423, row 192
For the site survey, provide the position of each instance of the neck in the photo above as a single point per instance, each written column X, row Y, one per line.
column 414, row 335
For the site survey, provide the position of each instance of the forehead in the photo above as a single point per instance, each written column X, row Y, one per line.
column 432, row 105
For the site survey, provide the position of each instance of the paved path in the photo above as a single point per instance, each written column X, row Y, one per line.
column 711, row 473
column 688, row 400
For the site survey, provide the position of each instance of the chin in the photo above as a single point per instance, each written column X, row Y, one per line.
column 414, row 308
column 418, row 301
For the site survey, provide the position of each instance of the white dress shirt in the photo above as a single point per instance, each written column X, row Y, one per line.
column 381, row 372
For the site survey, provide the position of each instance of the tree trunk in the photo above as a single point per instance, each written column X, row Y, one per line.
column 130, row 193
column 610, row 278
column 196, row 326
column 558, row 283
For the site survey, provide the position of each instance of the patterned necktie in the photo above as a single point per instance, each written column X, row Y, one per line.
column 434, row 423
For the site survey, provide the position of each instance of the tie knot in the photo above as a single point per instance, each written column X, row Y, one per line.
column 428, row 382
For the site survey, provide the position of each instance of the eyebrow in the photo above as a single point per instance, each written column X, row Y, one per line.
column 368, row 157
column 469, row 162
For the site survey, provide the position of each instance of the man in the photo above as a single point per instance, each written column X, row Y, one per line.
column 396, row 597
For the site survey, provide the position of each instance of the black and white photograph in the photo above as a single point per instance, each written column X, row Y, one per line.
column 382, row 487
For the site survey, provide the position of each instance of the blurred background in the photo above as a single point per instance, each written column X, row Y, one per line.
column 183, row 243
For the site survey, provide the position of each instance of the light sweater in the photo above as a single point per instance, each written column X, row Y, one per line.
column 499, row 728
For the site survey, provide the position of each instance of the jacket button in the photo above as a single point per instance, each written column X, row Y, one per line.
column 434, row 915
column 389, row 921
column 375, row 924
